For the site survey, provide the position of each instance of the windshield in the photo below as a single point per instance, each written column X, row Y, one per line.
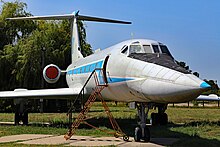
column 162, row 60
column 165, row 50
column 147, row 49
column 156, row 48
column 136, row 49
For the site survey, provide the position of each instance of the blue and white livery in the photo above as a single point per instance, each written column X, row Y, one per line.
column 137, row 70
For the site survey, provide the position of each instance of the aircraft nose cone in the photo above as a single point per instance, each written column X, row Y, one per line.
column 191, row 82
column 205, row 85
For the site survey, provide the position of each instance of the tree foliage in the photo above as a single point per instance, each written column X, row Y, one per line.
column 186, row 67
column 12, row 31
column 22, row 44
column 214, row 87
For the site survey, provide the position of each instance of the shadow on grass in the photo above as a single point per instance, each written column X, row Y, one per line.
column 183, row 132
column 186, row 133
column 189, row 134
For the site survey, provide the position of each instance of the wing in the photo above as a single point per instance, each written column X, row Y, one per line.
column 208, row 98
column 60, row 93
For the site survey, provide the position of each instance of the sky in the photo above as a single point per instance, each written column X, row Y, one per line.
column 190, row 28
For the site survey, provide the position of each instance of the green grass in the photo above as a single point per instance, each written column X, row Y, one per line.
column 193, row 126
column 186, row 115
column 97, row 111
column 13, row 130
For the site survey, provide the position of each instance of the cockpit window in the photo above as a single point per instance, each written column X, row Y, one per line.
column 156, row 48
column 125, row 50
column 147, row 49
column 165, row 50
column 136, row 49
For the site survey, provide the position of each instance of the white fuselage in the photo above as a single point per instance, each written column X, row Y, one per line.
column 130, row 79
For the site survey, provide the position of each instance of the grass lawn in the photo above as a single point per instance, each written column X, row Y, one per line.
column 193, row 126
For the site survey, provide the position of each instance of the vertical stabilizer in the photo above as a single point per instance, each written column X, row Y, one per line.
column 75, row 43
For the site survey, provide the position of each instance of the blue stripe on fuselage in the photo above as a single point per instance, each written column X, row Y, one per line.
column 91, row 67
column 86, row 68
column 116, row 80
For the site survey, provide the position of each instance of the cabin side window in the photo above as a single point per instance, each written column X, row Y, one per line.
column 87, row 69
column 75, row 71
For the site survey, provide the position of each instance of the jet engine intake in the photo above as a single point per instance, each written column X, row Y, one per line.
column 51, row 73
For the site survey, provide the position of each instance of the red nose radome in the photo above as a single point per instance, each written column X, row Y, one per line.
column 51, row 73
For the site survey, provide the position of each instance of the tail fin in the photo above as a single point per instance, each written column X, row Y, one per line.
column 75, row 42
column 74, row 17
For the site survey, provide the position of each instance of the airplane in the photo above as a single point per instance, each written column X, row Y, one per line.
column 210, row 97
column 136, row 70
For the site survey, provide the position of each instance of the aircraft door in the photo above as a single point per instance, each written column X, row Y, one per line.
column 105, row 69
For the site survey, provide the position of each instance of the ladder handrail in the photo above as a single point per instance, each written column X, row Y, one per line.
column 82, row 90
column 88, row 79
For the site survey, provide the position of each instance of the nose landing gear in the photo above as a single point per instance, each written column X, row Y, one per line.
column 142, row 132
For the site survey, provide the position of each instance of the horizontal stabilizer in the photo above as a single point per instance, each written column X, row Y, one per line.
column 46, row 17
column 69, row 16
column 97, row 19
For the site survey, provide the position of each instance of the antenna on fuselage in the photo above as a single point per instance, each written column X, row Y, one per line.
column 132, row 35
column 73, row 18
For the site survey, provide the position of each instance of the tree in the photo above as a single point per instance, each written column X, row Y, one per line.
column 21, row 44
column 186, row 67
column 12, row 31
column 86, row 48
column 214, row 87
column 183, row 65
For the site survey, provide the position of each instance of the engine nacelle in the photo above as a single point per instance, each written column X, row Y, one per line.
column 51, row 73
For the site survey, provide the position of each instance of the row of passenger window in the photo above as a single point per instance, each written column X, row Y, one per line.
column 86, row 69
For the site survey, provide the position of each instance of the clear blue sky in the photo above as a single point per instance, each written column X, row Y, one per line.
column 190, row 28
